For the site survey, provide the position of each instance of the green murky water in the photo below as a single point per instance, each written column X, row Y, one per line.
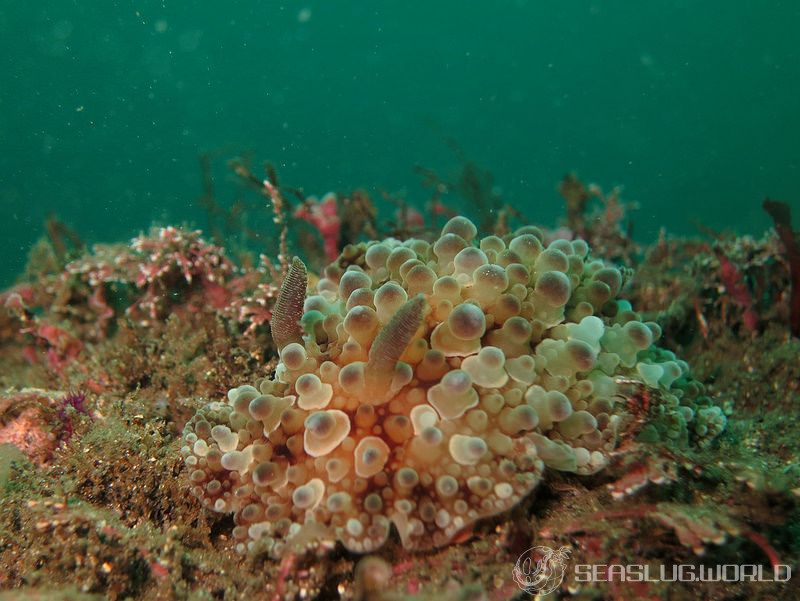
column 106, row 106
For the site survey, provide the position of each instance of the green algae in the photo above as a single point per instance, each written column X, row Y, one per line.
column 10, row 457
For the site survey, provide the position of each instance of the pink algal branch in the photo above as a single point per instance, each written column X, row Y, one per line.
column 597, row 217
column 409, row 219
column 169, row 270
column 782, row 217
column 253, row 295
column 694, row 527
column 279, row 218
column 285, row 569
column 762, row 543
column 323, row 215
column 68, row 407
column 734, row 284
column 60, row 347
column 640, row 473
column 155, row 264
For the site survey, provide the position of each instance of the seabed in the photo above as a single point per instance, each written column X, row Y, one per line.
column 107, row 352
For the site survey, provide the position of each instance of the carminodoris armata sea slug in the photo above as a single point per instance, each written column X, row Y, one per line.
column 425, row 386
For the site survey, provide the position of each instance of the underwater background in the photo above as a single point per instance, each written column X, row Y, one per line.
column 105, row 107
column 399, row 301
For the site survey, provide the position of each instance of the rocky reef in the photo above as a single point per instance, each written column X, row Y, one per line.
column 402, row 413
